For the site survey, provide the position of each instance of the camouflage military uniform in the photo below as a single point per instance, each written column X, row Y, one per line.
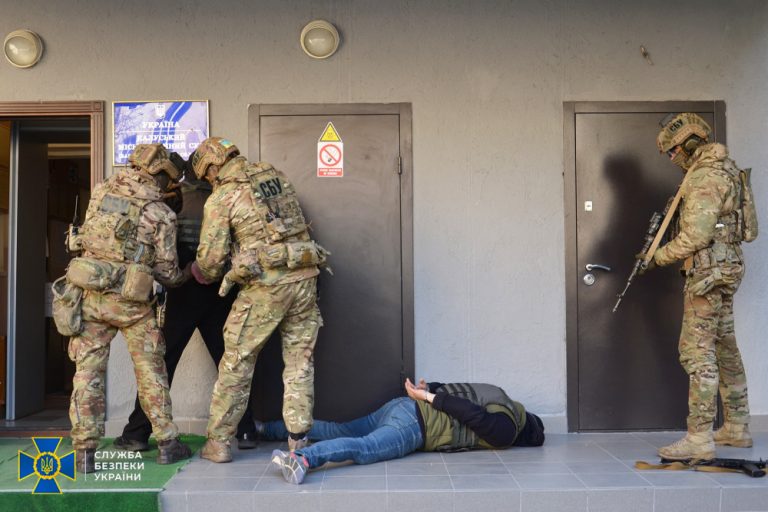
column 709, row 234
column 152, row 242
column 253, row 215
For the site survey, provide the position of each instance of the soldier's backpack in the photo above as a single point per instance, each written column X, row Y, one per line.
column 748, row 211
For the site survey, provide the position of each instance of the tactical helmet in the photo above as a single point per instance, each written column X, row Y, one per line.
column 212, row 151
column 153, row 158
column 676, row 129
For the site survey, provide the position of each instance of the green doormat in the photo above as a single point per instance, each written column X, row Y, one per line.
column 122, row 484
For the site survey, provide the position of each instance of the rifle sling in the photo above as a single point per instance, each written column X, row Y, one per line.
column 682, row 466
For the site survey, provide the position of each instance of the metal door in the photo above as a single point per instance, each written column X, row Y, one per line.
column 365, row 347
column 624, row 372
column 26, row 290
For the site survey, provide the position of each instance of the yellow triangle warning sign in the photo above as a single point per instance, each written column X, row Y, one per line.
column 330, row 134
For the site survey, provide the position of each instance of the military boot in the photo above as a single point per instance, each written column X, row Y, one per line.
column 133, row 445
column 734, row 434
column 85, row 460
column 216, row 451
column 297, row 444
column 695, row 445
column 172, row 451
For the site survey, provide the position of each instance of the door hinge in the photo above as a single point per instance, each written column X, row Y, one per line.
column 399, row 165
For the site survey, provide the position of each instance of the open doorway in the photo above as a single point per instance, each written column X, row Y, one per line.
column 48, row 165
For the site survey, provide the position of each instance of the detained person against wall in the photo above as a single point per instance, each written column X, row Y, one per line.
column 254, row 219
column 716, row 214
column 190, row 306
column 434, row 417
column 128, row 240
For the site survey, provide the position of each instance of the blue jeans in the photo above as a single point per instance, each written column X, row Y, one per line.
column 389, row 433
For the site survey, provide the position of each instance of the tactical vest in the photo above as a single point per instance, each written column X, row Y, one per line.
column 190, row 219
column 111, row 233
column 732, row 227
column 446, row 434
column 278, row 236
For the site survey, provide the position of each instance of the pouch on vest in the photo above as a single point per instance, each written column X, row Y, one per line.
column 302, row 254
column 138, row 283
column 748, row 211
column 67, row 307
column 92, row 274
column 273, row 255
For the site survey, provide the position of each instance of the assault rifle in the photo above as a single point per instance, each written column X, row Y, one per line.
column 653, row 235
column 753, row 468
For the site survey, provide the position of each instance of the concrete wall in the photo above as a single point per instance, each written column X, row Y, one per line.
column 487, row 80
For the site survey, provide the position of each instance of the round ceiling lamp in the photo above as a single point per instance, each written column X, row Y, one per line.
column 319, row 39
column 23, row 48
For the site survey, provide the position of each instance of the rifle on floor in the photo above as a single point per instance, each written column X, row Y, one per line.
column 753, row 468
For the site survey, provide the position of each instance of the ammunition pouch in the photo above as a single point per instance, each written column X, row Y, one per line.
column 728, row 229
column 701, row 283
column 302, row 254
column 717, row 255
column 67, row 307
column 138, row 283
column 92, row 274
column 292, row 255
column 273, row 255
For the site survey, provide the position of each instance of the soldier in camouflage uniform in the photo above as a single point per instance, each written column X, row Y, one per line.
column 253, row 218
column 711, row 227
column 127, row 240
column 190, row 306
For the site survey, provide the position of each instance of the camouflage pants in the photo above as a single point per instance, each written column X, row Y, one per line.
column 103, row 315
column 711, row 358
column 256, row 313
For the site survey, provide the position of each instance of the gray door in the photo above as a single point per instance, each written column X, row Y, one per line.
column 28, row 230
column 365, row 347
column 624, row 372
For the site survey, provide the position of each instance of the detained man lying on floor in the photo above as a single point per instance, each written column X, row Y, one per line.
column 434, row 417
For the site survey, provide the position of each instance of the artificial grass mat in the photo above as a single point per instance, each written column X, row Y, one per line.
column 122, row 493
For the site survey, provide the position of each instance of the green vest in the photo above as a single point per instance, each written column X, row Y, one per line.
column 446, row 434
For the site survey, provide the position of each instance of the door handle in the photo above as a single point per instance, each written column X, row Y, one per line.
column 591, row 266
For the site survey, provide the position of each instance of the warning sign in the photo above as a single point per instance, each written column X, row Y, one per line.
column 330, row 134
column 330, row 154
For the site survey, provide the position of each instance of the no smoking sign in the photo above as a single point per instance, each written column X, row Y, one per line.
column 330, row 154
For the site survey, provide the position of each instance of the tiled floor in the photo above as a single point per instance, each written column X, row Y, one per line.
column 574, row 472
column 46, row 420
